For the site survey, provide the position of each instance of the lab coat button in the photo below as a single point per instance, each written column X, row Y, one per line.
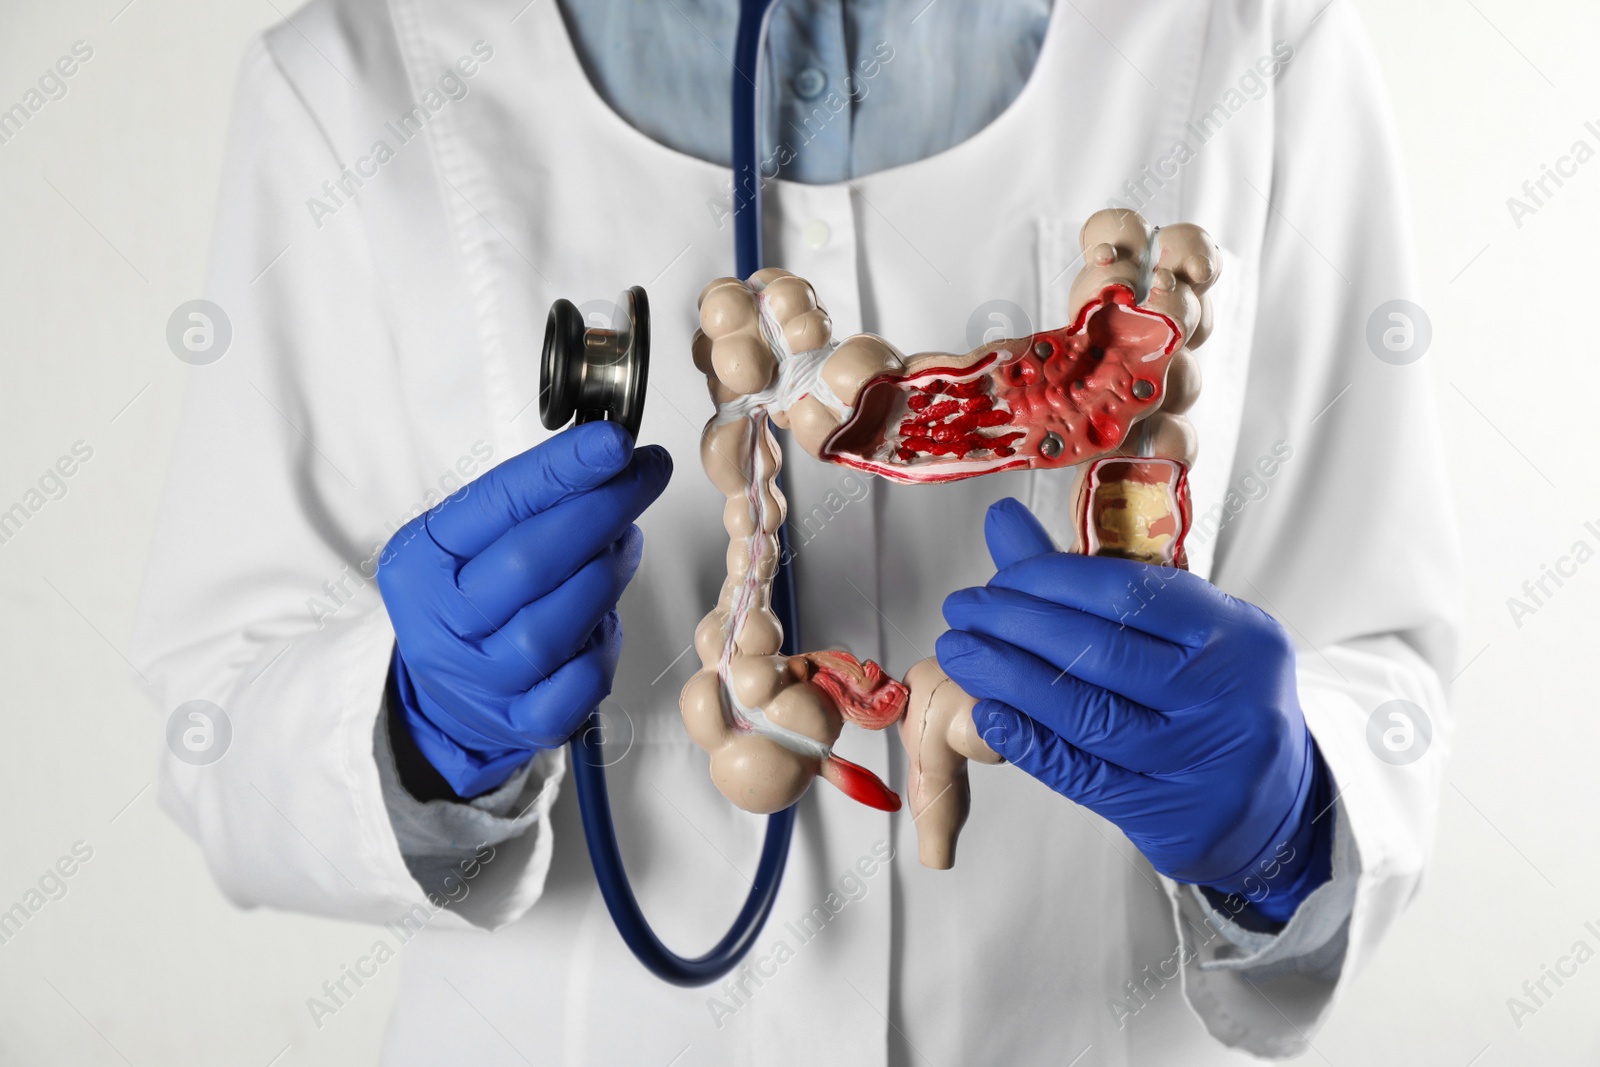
column 816, row 234
column 809, row 83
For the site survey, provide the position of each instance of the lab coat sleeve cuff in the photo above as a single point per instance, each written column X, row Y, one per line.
column 450, row 846
column 1264, row 993
column 1312, row 943
column 1270, row 998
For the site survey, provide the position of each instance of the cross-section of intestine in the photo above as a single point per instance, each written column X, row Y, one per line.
column 1108, row 391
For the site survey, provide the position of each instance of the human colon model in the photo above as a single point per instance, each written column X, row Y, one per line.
column 1108, row 391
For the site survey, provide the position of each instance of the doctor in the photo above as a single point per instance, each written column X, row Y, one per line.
column 405, row 594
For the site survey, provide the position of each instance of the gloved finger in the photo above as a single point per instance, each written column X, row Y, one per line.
column 551, row 630
column 1013, row 533
column 575, row 460
column 1087, row 647
column 553, row 710
column 541, row 552
column 1098, row 785
column 1094, row 719
column 1162, row 601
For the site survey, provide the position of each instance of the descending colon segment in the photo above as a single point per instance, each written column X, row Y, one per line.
column 768, row 720
column 1108, row 391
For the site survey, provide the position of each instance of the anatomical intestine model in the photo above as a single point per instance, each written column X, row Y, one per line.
column 1108, row 391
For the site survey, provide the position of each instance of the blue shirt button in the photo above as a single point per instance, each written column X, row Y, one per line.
column 809, row 83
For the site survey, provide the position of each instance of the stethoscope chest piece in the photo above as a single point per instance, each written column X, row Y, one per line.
column 594, row 373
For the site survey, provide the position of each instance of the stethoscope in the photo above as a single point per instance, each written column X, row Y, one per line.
column 600, row 373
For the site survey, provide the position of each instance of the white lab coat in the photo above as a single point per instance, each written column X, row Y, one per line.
column 382, row 348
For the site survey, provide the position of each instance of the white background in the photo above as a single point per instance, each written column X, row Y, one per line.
column 106, row 201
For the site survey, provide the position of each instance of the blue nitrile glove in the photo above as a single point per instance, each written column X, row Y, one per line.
column 1153, row 698
column 503, row 600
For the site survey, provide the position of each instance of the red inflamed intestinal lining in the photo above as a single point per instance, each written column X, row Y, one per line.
column 948, row 419
column 862, row 691
column 1050, row 399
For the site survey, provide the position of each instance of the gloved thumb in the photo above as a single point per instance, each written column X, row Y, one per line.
column 1014, row 534
column 1004, row 729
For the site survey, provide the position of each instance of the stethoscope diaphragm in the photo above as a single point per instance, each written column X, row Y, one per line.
column 590, row 373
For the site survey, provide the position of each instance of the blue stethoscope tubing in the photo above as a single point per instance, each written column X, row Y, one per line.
column 588, row 751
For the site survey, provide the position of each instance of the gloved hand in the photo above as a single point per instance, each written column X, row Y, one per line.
column 503, row 600
column 1151, row 697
